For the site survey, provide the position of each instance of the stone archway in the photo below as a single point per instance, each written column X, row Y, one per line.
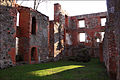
column 34, row 55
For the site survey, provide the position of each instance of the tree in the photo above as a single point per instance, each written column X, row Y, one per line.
column 36, row 3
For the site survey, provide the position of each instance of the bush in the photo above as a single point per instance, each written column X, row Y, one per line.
column 79, row 53
column 83, row 55
column 19, row 58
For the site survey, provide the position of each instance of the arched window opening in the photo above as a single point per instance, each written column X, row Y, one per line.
column 33, row 53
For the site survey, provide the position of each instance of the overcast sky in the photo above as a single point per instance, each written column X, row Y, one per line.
column 72, row 7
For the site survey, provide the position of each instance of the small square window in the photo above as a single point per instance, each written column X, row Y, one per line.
column 98, row 40
column 103, row 21
column 82, row 37
column 68, row 40
column 82, row 23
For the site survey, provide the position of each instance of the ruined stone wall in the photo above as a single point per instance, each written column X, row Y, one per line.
column 32, row 46
column 110, row 54
column 40, row 39
column 117, row 33
column 29, row 39
column 7, row 36
column 111, row 44
column 58, row 40
column 59, row 34
column 92, row 30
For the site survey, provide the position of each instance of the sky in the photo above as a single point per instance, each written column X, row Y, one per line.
column 71, row 7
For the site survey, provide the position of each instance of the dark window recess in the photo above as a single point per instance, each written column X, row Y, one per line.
column 33, row 30
column 33, row 53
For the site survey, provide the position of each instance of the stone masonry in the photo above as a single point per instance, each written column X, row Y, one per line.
column 111, row 43
column 7, row 36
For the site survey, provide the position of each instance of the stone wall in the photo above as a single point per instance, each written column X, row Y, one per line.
column 7, row 36
column 40, row 39
column 110, row 53
column 32, row 34
column 111, row 43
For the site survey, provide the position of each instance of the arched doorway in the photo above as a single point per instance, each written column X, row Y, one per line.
column 34, row 56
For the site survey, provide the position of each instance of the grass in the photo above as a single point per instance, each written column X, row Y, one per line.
column 61, row 70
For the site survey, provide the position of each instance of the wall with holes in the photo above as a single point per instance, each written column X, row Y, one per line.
column 23, row 36
column 39, row 37
column 87, row 30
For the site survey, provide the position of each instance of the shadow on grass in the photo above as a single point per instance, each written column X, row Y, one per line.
column 61, row 70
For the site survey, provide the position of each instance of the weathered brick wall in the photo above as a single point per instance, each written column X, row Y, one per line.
column 23, row 33
column 92, row 29
column 7, row 36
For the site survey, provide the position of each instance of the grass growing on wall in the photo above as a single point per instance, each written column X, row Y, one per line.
column 61, row 70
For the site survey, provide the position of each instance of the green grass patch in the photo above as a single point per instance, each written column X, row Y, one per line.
column 61, row 70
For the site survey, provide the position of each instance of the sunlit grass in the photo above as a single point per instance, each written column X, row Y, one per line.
column 51, row 71
column 60, row 70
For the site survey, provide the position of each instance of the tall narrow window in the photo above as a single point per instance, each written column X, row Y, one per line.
column 102, row 34
column 33, row 30
column 81, row 23
column 103, row 21
column 82, row 37
column 66, row 21
column 17, row 22
column 33, row 53
column 17, row 40
column 68, row 40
